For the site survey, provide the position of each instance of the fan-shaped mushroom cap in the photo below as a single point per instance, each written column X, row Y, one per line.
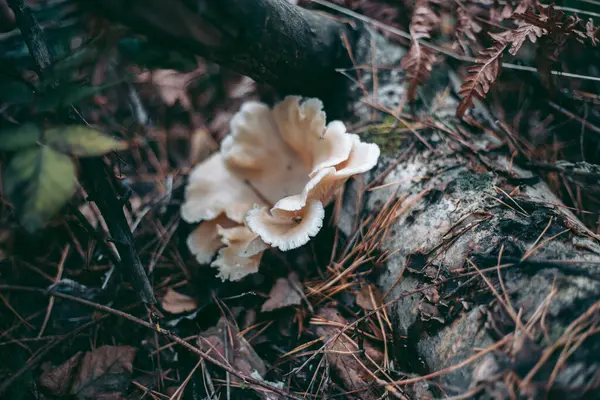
column 204, row 241
column 287, row 212
column 241, row 254
column 213, row 190
column 290, row 231
column 285, row 156
column 256, row 152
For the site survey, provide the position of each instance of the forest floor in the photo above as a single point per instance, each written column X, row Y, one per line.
column 310, row 323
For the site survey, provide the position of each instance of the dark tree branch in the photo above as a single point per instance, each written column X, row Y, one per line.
column 97, row 177
column 272, row 41
column 32, row 34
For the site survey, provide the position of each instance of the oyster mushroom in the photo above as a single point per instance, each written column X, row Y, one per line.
column 275, row 173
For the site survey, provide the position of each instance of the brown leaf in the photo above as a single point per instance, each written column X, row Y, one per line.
column 58, row 380
column 172, row 85
column 283, row 294
column 516, row 37
column 363, row 297
column 344, row 357
column 177, row 303
column 224, row 340
column 466, row 25
column 240, row 87
column 104, row 373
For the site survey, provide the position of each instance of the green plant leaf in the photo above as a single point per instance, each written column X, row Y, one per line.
column 20, row 137
column 38, row 181
column 67, row 94
column 80, row 140
column 64, row 68
column 13, row 91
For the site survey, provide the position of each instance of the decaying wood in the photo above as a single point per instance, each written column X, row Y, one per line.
column 494, row 260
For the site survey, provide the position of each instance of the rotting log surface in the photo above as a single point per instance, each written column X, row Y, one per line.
column 463, row 208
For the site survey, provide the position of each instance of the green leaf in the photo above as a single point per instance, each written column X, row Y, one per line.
column 64, row 68
column 67, row 94
column 38, row 181
column 80, row 140
column 13, row 91
column 20, row 137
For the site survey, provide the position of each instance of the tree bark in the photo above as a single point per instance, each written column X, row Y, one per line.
column 272, row 41
column 465, row 209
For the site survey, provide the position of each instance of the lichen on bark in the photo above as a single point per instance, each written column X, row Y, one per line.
column 467, row 209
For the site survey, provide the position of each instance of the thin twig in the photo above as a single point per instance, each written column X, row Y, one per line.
column 156, row 328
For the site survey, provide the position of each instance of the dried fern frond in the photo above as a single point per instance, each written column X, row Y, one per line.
column 501, row 10
column 466, row 24
column 418, row 62
column 557, row 29
column 466, row 28
column 592, row 32
column 516, row 37
column 481, row 75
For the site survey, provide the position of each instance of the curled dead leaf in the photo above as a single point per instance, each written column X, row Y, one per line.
column 284, row 293
column 58, row 380
column 177, row 303
column 103, row 373
column 369, row 297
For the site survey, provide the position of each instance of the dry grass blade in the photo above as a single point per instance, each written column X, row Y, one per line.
column 418, row 62
column 481, row 76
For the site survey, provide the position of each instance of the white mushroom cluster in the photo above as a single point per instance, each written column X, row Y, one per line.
column 268, row 186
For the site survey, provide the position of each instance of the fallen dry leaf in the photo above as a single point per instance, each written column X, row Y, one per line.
column 364, row 300
column 58, row 380
column 343, row 354
column 177, row 303
column 172, row 85
column 238, row 351
column 224, row 342
column 238, row 88
column 283, row 294
column 103, row 373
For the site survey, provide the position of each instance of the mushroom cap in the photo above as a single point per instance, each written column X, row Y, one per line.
column 241, row 255
column 333, row 148
column 314, row 189
column 205, row 241
column 270, row 226
column 361, row 159
column 290, row 231
column 285, row 156
column 213, row 190
column 255, row 151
